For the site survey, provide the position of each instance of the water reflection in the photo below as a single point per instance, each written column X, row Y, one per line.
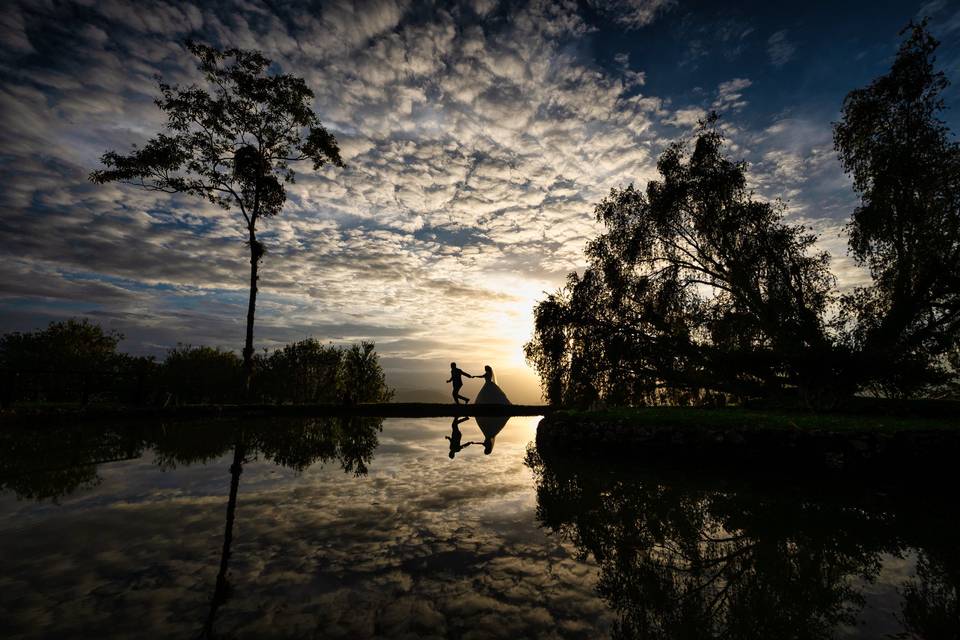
column 693, row 554
column 243, row 534
column 491, row 426
column 456, row 437
column 50, row 463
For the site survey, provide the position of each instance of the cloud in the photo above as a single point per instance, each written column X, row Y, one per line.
column 474, row 152
column 476, row 138
column 685, row 118
column 730, row 95
column 780, row 49
column 632, row 14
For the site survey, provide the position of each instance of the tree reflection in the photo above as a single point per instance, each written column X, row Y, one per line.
column 221, row 590
column 680, row 558
column 931, row 608
column 49, row 463
column 296, row 444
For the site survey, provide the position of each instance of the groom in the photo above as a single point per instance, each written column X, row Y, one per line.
column 457, row 380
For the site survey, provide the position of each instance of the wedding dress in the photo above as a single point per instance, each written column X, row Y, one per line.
column 490, row 393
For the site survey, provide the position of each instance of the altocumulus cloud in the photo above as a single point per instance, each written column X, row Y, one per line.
column 477, row 135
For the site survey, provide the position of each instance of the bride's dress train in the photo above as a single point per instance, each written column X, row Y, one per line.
column 490, row 393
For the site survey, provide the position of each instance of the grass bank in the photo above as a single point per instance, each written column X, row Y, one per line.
column 798, row 440
column 738, row 417
column 59, row 412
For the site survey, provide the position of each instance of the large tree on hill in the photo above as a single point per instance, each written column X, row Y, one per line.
column 906, row 169
column 231, row 142
column 695, row 285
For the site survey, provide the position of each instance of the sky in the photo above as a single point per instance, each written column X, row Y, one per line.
column 477, row 138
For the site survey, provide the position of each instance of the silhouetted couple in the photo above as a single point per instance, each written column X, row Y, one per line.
column 490, row 393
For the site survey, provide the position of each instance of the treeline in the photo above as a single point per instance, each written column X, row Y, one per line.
column 699, row 292
column 78, row 361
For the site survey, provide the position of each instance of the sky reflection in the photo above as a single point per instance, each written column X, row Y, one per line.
column 423, row 545
column 504, row 545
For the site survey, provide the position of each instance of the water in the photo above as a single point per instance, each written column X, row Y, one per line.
column 367, row 528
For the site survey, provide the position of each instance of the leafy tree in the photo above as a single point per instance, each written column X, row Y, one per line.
column 361, row 376
column 231, row 143
column 694, row 285
column 301, row 372
column 137, row 379
column 906, row 169
column 310, row 372
column 69, row 360
column 201, row 375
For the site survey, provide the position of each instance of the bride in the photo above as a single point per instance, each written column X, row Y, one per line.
column 490, row 393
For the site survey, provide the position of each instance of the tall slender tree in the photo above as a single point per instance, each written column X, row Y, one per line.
column 231, row 142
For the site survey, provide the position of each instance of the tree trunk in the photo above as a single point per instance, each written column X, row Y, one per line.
column 222, row 589
column 256, row 252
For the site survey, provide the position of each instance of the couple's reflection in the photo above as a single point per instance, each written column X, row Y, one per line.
column 490, row 426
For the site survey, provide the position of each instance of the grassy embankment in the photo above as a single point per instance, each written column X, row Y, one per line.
column 941, row 415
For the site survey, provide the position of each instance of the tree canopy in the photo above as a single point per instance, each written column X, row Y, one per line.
column 698, row 290
column 695, row 284
column 906, row 169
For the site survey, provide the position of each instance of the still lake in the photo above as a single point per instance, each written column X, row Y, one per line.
column 361, row 528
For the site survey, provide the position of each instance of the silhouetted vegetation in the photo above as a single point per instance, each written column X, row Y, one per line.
column 361, row 376
column 697, row 292
column 201, row 375
column 232, row 145
column 76, row 361
column 71, row 361
column 305, row 371
column 693, row 554
column 695, row 285
column 905, row 327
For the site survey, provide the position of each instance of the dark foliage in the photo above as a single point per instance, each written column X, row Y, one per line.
column 311, row 372
column 361, row 376
column 77, row 361
column 305, row 371
column 695, row 285
column 696, row 292
column 686, row 553
column 232, row 143
column 68, row 361
column 201, row 375
column 906, row 169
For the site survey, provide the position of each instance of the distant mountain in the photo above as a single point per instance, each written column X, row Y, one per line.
column 422, row 395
